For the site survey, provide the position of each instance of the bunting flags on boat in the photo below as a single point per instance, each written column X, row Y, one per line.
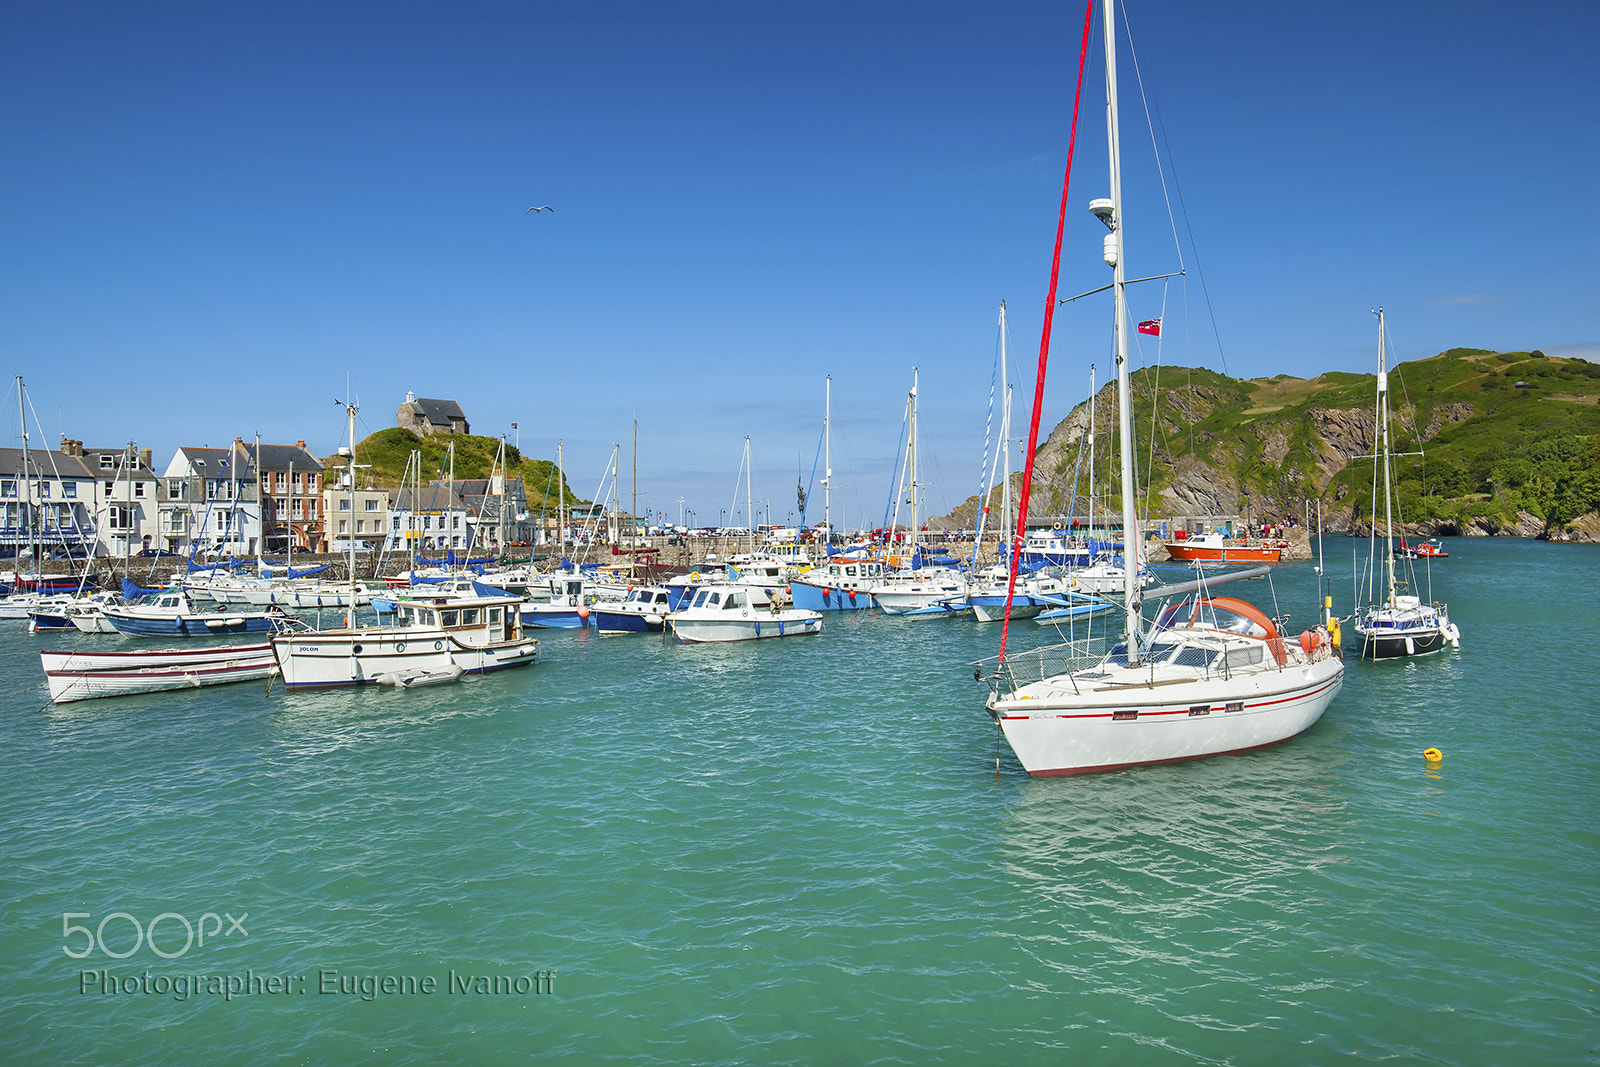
column 1151, row 326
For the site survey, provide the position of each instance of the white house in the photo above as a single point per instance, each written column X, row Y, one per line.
column 52, row 508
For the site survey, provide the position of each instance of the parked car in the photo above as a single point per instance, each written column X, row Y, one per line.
column 154, row 553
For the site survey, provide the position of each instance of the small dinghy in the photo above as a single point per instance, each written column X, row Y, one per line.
column 419, row 677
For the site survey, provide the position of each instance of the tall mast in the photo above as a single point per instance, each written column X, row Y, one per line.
column 912, row 437
column 827, row 465
column 1004, row 455
column 633, row 534
column 1388, row 491
column 27, row 483
column 131, row 457
column 350, row 525
column 1114, row 245
column 749, row 515
column 261, row 507
column 561, row 507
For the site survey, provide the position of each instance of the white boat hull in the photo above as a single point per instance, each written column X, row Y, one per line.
column 360, row 656
column 759, row 627
column 74, row 677
column 1129, row 726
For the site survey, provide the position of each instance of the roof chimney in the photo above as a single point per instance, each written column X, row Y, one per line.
column 299, row 444
column 145, row 457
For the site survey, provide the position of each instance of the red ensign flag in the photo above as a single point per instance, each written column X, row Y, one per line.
column 1151, row 326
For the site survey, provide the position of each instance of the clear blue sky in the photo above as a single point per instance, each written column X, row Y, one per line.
column 213, row 216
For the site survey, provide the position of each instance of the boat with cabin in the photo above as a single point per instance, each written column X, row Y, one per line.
column 724, row 611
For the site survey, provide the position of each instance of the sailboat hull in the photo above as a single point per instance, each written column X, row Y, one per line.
column 1124, row 727
column 1378, row 645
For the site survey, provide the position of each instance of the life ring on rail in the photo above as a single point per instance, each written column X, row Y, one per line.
column 694, row 576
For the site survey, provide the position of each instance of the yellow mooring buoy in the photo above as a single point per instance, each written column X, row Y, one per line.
column 1432, row 755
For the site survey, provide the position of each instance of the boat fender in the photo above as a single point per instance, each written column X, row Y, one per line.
column 852, row 594
column 1432, row 755
column 583, row 612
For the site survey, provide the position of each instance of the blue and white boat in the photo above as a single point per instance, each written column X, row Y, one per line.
column 567, row 608
column 175, row 614
column 1033, row 595
column 643, row 610
column 839, row 585
column 1059, row 547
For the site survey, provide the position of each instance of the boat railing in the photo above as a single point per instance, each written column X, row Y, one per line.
column 1035, row 665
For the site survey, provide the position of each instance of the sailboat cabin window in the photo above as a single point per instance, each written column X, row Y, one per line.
column 471, row 616
column 735, row 600
column 494, row 616
column 1245, row 657
column 449, row 618
column 700, row 600
column 1196, row 657
column 850, row 571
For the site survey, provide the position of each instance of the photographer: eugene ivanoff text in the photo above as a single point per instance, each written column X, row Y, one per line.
column 366, row 987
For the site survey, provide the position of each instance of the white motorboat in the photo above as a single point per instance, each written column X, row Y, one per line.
column 725, row 611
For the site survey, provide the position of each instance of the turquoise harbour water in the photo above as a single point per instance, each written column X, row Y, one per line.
column 801, row 851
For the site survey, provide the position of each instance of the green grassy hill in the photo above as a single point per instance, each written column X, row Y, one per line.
column 388, row 451
column 1509, row 441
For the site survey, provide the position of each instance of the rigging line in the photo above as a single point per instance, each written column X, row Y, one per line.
column 1155, row 402
column 1044, row 342
column 991, row 462
column 897, row 478
column 812, row 484
column 1138, row 74
column 1183, row 208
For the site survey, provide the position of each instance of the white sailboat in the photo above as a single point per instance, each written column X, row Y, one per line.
column 1400, row 624
column 1210, row 675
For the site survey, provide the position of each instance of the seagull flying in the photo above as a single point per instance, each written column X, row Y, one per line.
column 536, row 210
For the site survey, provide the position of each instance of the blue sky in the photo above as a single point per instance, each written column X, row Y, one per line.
column 215, row 216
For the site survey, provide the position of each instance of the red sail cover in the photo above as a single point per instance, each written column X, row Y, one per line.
column 1151, row 326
